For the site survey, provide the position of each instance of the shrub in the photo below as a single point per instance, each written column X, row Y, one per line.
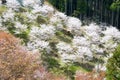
column 113, row 66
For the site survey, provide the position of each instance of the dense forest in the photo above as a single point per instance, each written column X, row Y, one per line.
column 105, row 11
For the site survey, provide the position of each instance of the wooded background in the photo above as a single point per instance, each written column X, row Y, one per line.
column 101, row 11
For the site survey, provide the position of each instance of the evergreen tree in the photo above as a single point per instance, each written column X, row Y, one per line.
column 113, row 66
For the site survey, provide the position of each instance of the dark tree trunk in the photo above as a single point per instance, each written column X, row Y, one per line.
column 4, row 1
column 97, row 10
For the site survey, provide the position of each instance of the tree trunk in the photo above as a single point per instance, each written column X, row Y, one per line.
column 4, row 1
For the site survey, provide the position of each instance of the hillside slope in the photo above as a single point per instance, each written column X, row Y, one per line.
column 63, row 41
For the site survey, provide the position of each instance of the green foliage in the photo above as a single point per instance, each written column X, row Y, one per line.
column 76, row 13
column 41, row 20
column 113, row 66
column 52, row 1
column 70, row 70
column 24, row 36
column 115, row 5
column 52, row 44
column 63, row 37
column 67, row 33
column 50, row 61
column 2, row 9
column 23, row 9
column 21, row 17
column 59, row 4
column 8, row 24
column 57, row 67
column 81, row 6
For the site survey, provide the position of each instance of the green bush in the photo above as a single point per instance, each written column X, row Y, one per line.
column 23, row 9
column 21, row 17
column 2, row 9
column 63, row 37
column 113, row 66
column 41, row 19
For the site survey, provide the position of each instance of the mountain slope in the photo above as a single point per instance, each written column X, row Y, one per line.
column 63, row 41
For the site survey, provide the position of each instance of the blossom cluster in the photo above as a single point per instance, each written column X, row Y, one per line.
column 85, row 41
